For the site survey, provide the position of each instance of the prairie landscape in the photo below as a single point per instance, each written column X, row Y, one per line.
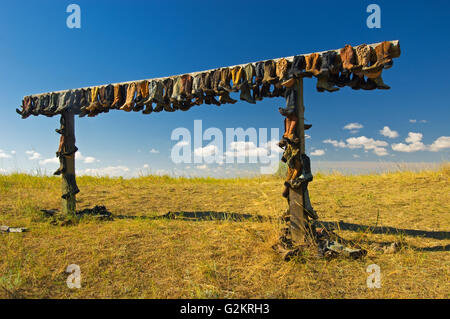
column 217, row 240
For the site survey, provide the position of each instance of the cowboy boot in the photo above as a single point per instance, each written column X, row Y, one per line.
column 94, row 100
column 150, row 98
column 265, row 90
column 27, row 106
column 188, row 82
column 383, row 55
column 53, row 104
column 62, row 166
column 367, row 59
column 216, row 76
column 168, row 91
column 249, row 71
column 324, row 83
column 177, row 86
column 226, row 99
column 357, row 82
column 85, row 102
column 306, row 175
column 281, row 69
column 269, row 72
column 224, row 83
column 236, row 77
column 259, row 73
column 197, row 92
column 246, row 94
column 375, row 80
column 312, row 61
column 291, row 102
column 129, row 100
column 142, row 93
column 349, row 59
column 118, row 97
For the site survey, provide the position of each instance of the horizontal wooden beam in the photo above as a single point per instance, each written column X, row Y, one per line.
column 396, row 44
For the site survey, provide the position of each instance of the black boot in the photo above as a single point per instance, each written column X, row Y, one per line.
column 245, row 93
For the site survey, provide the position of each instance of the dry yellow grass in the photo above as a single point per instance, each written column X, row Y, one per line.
column 175, row 258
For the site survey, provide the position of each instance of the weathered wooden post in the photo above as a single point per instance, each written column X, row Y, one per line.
column 68, row 175
column 296, row 201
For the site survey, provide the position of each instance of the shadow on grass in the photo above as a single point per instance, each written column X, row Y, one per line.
column 386, row 230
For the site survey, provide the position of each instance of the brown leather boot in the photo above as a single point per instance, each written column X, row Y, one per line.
column 226, row 99
column 118, row 96
column 269, row 72
column 313, row 64
column 383, row 53
column 224, row 83
column 95, row 104
column 142, row 94
column 129, row 101
column 281, row 69
column 348, row 58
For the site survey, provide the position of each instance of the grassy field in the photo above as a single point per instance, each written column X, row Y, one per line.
column 140, row 255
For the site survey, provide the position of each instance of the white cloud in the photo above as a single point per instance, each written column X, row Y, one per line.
column 386, row 131
column 417, row 121
column 85, row 159
column 33, row 155
column 414, row 141
column 441, row 143
column 335, row 143
column 154, row 151
column 307, row 136
column 146, row 166
column 13, row 152
column 356, row 156
column 318, row 153
column 4, row 155
column 105, row 171
column 53, row 160
column 353, row 127
column 378, row 147
column 209, row 150
column 203, row 167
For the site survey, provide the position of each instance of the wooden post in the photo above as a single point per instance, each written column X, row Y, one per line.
column 69, row 203
column 296, row 201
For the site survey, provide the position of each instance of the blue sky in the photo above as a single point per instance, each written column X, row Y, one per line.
column 131, row 40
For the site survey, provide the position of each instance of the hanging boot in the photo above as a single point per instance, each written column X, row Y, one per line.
column 142, row 95
column 226, row 99
column 291, row 100
column 313, row 63
column 237, row 74
column 168, row 91
column 246, row 94
column 349, row 59
column 269, row 72
column 62, row 166
column 306, row 175
column 225, row 78
column 324, row 84
column 188, row 82
column 177, row 84
column 281, row 69
column 357, row 82
column 383, row 54
column 119, row 96
column 72, row 186
column 249, row 71
column 95, row 104
column 129, row 100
